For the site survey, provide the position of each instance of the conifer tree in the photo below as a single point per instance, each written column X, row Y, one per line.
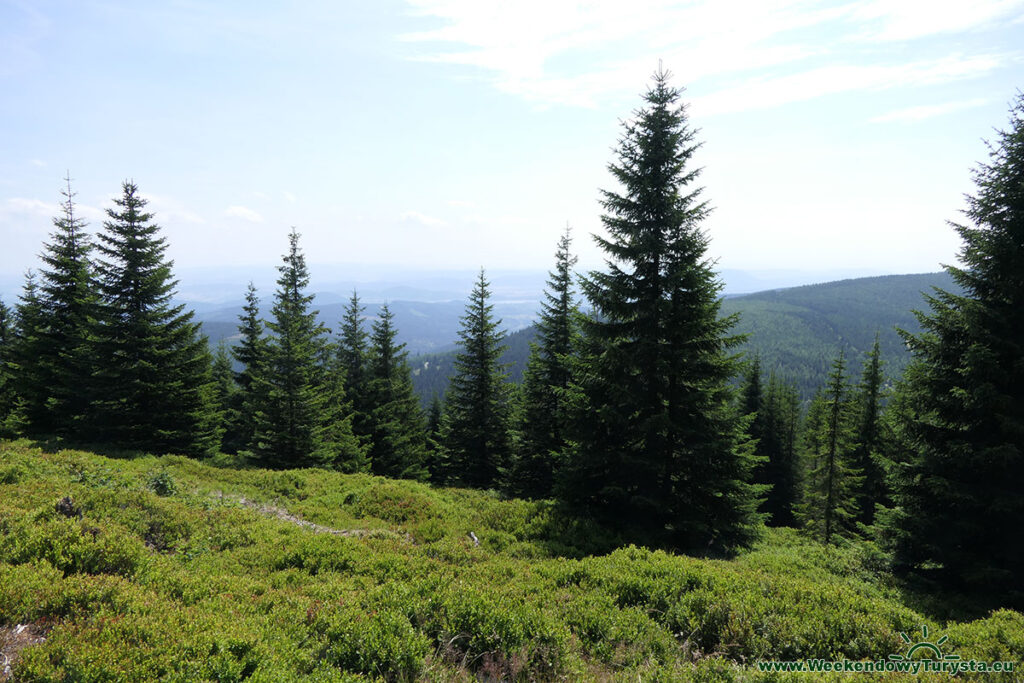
column 541, row 441
column 658, row 450
column 7, row 396
column 398, row 439
column 303, row 419
column 779, row 413
column 28, row 377
column 829, row 506
column 434, row 413
column 353, row 352
column 752, row 398
column 474, row 431
column 957, row 500
column 869, row 436
column 68, row 301
column 435, row 451
column 154, row 379
column 225, row 396
column 755, row 407
column 251, row 354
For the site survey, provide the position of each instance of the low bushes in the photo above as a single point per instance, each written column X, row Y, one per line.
column 179, row 571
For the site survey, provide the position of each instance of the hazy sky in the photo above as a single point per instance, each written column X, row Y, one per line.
column 460, row 133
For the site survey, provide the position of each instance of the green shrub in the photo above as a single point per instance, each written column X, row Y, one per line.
column 322, row 553
column 12, row 474
column 376, row 643
column 73, row 546
column 162, row 483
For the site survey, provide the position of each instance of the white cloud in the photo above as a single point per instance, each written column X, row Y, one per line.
column 422, row 219
column 169, row 210
column 911, row 114
column 244, row 213
column 460, row 204
column 807, row 85
column 32, row 207
column 580, row 52
column 910, row 19
column 290, row 197
column 520, row 42
column 38, row 163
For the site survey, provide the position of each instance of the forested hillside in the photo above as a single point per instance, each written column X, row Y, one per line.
column 796, row 331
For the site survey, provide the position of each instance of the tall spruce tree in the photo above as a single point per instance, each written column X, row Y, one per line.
column 541, row 441
column 68, row 301
column 353, row 357
column 957, row 497
column 869, row 435
column 398, row 445
column 658, row 450
column 154, row 381
column 251, row 354
column 829, row 507
column 303, row 419
column 475, row 428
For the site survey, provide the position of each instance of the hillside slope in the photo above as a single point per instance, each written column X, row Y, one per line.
column 797, row 331
column 162, row 568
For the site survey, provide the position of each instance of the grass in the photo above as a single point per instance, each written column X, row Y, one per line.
column 164, row 568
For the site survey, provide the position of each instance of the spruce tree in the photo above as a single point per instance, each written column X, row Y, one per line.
column 778, row 469
column 869, row 436
column 957, row 500
column 658, row 450
column 752, row 398
column 251, row 354
column 353, row 352
column 399, row 438
column 474, row 430
column 754, row 405
column 154, row 380
column 303, row 419
column 68, row 301
column 28, row 377
column 8, row 399
column 435, row 456
column 225, row 396
column 829, row 506
column 541, row 419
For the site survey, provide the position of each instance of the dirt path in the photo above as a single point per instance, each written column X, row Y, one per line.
column 282, row 514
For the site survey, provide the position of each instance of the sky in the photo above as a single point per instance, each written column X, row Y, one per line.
column 434, row 134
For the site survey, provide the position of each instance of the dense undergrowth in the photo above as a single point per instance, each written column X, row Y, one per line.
column 169, row 569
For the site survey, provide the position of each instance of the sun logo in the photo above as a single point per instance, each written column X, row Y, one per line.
column 930, row 650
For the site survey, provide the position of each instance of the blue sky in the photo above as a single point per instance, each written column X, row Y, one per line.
column 461, row 133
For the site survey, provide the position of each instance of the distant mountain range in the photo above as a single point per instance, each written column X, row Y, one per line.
column 425, row 327
column 797, row 331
